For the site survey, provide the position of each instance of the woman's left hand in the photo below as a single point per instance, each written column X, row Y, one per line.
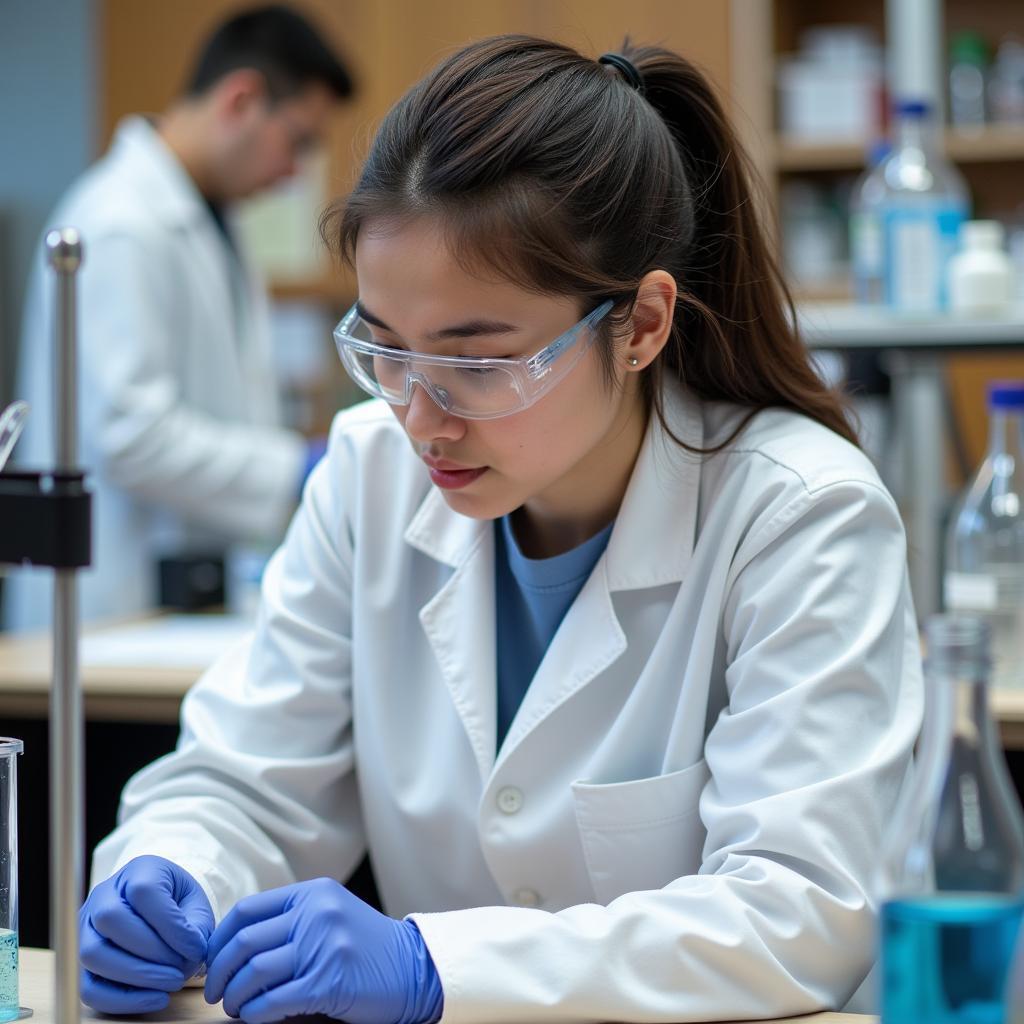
column 313, row 947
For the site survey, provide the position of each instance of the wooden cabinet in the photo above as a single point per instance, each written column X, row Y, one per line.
column 146, row 49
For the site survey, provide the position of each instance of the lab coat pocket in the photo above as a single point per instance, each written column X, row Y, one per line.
column 641, row 834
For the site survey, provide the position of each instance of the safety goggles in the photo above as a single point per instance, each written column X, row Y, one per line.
column 470, row 387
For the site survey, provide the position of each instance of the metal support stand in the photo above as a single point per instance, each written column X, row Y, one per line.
column 64, row 251
column 47, row 519
column 918, row 393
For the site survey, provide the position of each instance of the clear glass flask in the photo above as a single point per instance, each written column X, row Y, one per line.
column 985, row 540
column 9, row 751
column 951, row 880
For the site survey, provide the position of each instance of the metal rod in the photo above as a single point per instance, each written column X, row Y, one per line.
column 914, row 35
column 918, row 396
column 64, row 252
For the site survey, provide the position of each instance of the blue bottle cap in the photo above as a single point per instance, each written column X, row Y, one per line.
column 1006, row 394
column 912, row 108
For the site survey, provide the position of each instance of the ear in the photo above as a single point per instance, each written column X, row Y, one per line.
column 239, row 92
column 652, row 320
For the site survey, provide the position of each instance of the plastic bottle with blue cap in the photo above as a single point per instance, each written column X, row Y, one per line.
column 985, row 543
column 925, row 202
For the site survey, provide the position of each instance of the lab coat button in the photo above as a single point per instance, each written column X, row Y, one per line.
column 526, row 898
column 510, row 800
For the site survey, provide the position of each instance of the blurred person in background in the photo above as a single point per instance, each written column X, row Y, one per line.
column 180, row 421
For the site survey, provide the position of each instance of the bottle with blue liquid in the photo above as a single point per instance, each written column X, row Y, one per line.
column 952, row 875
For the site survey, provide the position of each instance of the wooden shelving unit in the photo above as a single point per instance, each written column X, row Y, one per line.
column 992, row 160
column 833, row 289
column 988, row 145
column 799, row 157
column 991, row 144
column 334, row 291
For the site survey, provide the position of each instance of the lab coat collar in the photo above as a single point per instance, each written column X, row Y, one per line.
column 651, row 544
column 655, row 531
column 171, row 193
column 443, row 534
column 653, row 537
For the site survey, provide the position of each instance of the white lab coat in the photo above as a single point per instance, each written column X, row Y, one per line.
column 684, row 817
column 180, row 424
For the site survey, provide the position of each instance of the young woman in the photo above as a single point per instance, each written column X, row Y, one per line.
column 593, row 628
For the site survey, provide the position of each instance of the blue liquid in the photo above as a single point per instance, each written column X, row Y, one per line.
column 8, row 974
column 946, row 959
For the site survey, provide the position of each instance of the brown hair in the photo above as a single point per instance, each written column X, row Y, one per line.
column 278, row 42
column 554, row 171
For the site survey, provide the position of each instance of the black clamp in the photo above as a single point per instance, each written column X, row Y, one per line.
column 45, row 520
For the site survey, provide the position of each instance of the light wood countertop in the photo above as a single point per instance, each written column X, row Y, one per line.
column 114, row 686
column 189, row 1006
column 35, row 982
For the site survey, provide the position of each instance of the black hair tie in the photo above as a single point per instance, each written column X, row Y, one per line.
column 625, row 67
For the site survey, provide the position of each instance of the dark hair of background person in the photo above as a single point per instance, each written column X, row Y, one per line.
column 553, row 171
column 277, row 42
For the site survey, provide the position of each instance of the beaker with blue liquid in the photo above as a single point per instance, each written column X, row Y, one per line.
column 951, row 882
column 9, row 750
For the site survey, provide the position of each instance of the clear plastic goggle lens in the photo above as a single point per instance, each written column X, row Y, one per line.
column 473, row 390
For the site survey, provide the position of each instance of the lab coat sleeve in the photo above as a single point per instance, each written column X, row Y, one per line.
column 242, row 479
column 805, row 764
column 260, row 791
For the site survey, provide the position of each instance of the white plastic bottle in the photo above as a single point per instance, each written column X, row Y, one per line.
column 925, row 203
column 968, row 71
column 981, row 276
column 985, row 544
column 1006, row 83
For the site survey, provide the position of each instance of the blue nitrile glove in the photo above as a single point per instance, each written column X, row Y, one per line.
column 313, row 947
column 142, row 934
column 316, row 448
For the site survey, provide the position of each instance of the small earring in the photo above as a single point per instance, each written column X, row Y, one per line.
column 633, row 361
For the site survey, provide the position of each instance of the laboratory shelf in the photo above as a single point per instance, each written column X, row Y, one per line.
column 990, row 144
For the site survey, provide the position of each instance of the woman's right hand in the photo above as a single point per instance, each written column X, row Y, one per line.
column 143, row 933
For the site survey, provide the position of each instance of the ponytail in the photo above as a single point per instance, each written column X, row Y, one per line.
column 735, row 336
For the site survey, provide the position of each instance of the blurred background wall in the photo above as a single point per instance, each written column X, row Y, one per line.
column 49, row 109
